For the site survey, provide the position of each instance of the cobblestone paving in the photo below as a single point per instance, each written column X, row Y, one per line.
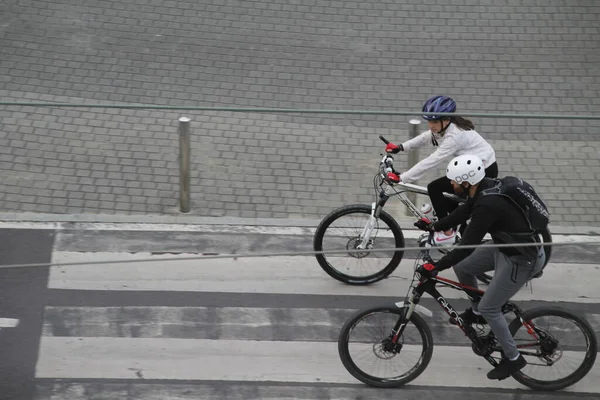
column 352, row 55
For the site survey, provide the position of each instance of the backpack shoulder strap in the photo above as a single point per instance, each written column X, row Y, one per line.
column 497, row 190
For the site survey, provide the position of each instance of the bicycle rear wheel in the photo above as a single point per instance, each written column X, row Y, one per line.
column 564, row 353
column 366, row 350
column 342, row 229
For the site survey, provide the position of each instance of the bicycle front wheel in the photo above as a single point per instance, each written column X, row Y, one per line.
column 367, row 352
column 342, row 230
column 563, row 353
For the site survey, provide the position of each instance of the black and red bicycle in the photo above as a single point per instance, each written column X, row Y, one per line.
column 559, row 346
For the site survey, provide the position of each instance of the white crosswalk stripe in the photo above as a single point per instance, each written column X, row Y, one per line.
column 177, row 325
column 235, row 360
column 300, row 275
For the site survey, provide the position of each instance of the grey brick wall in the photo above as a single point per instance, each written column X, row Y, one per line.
column 491, row 56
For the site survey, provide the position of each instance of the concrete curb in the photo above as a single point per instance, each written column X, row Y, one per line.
column 405, row 222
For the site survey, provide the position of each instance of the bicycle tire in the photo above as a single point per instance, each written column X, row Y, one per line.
column 355, row 371
column 350, row 279
column 546, row 238
column 586, row 366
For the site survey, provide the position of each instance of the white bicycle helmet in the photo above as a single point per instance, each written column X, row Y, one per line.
column 466, row 168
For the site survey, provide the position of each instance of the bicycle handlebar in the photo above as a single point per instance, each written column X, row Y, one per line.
column 387, row 163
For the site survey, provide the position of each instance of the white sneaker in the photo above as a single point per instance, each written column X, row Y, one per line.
column 441, row 239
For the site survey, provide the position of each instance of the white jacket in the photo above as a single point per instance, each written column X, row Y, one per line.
column 454, row 142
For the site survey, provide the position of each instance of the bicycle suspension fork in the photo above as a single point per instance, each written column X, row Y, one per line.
column 376, row 208
column 413, row 301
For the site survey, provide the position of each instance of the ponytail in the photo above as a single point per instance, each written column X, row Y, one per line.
column 462, row 123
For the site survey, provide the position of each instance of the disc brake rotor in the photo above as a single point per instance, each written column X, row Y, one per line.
column 353, row 244
column 386, row 349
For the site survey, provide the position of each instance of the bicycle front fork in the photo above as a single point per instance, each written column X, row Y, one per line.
column 367, row 232
column 410, row 306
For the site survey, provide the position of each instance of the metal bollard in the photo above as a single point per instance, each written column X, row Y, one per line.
column 184, row 164
column 413, row 157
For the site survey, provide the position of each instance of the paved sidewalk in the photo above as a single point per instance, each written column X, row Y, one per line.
column 238, row 224
column 352, row 55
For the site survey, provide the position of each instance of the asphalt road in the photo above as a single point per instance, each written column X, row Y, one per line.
column 22, row 297
column 250, row 328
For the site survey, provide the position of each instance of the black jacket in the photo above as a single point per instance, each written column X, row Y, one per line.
column 489, row 214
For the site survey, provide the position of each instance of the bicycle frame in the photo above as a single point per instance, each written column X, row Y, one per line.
column 428, row 286
column 409, row 187
column 389, row 189
column 398, row 190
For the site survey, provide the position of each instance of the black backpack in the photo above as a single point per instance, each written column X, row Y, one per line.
column 524, row 196
column 527, row 200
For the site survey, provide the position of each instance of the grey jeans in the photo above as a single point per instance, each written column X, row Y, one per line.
column 510, row 275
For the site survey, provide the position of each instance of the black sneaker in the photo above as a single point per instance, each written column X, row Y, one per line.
column 506, row 367
column 470, row 318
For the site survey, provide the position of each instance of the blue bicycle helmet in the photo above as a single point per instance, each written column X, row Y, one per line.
column 442, row 104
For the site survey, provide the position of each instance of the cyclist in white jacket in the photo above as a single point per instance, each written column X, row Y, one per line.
column 452, row 136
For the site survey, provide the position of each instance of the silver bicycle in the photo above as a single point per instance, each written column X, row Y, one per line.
column 359, row 227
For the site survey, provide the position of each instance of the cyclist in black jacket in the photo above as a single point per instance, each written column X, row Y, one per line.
column 495, row 215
